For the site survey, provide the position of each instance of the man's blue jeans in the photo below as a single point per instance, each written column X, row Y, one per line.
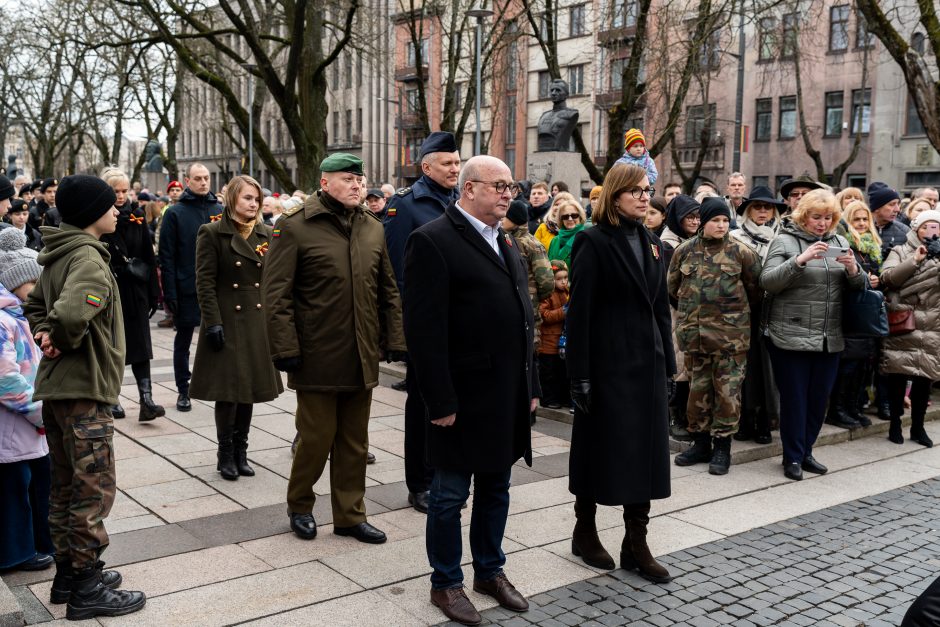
column 449, row 490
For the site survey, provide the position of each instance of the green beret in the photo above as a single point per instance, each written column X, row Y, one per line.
column 342, row 162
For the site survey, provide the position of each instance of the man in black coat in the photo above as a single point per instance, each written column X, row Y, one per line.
column 181, row 222
column 469, row 327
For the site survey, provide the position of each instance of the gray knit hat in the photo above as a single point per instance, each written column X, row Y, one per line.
column 17, row 263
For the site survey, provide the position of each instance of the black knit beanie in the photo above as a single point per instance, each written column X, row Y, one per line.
column 518, row 213
column 712, row 207
column 82, row 199
column 6, row 188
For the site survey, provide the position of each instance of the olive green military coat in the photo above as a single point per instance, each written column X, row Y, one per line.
column 333, row 297
column 228, row 286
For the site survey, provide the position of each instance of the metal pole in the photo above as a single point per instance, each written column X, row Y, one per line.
column 477, row 136
column 739, row 102
column 251, row 124
column 399, row 148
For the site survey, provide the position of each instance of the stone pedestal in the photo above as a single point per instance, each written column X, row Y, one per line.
column 552, row 167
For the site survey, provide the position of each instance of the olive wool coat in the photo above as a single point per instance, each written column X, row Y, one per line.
column 228, row 286
column 918, row 286
column 620, row 339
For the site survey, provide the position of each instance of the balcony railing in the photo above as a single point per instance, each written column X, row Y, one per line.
column 616, row 37
column 408, row 121
column 409, row 73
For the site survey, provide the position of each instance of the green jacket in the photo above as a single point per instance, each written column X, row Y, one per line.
column 77, row 302
column 715, row 284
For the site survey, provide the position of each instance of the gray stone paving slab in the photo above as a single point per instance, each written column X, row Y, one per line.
column 833, row 567
column 240, row 526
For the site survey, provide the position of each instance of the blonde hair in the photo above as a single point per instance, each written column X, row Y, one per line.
column 112, row 174
column 915, row 203
column 232, row 190
column 620, row 178
column 569, row 203
column 818, row 200
column 849, row 194
column 539, row 185
column 854, row 207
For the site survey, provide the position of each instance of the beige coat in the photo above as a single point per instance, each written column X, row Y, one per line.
column 917, row 286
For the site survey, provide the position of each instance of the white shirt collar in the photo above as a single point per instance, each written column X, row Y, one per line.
column 489, row 233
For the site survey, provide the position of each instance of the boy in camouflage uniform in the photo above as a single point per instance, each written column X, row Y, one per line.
column 75, row 314
column 715, row 281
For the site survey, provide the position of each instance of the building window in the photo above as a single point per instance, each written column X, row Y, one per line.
column 787, row 129
column 791, row 35
column 765, row 113
column 760, row 181
column 348, row 69
column 511, row 160
column 349, row 132
column 839, row 28
column 359, row 69
column 413, row 100
column 616, row 74
column 335, row 136
column 863, row 37
column 411, row 56
column 512, row 66
column 543, row 25
column 697, row 118
column 834, row 108
column 861, row 110
column 458, row 95
column 335, row 81
column 781, row 179
column 545, row 81
column 359, row 121
column 767, row 39
column 917, row 42
column 413, row 150
column 709, row 55
column 510, row 137
column 576, row 79
column 576, row 22
column 914, row 125
column 623, row 13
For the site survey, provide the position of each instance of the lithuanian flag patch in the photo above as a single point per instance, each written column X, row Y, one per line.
column 277, row 233
column 392, row 211
column 94, row 301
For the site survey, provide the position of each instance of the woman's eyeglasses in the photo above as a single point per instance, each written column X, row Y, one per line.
column 637, row 192
column 569, row 216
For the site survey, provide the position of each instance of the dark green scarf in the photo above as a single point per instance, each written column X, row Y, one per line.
column 560, row 248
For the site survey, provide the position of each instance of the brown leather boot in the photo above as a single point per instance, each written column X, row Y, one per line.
column 634, row 552
column 584, row 541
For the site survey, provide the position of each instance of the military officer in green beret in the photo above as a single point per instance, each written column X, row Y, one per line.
column 334, row 311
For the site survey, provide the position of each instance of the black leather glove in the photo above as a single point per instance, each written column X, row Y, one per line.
column 581, row 395
column 215, row 335
column 391, row 356
column 288, row 364
column 933, row 248
column 153, row 310
column 171, row 306
column 670, row 389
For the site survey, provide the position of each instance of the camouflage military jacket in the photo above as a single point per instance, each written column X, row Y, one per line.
column 716, row 285
column 541, row 278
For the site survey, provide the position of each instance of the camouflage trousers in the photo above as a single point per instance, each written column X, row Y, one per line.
column 80, row 435
column 715, row 392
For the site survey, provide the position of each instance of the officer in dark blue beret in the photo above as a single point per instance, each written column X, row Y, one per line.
column 408, row 209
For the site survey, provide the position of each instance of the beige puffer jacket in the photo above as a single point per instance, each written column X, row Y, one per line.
column 905, row 282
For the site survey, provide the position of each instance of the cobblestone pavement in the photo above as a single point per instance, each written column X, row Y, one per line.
column 857, row 564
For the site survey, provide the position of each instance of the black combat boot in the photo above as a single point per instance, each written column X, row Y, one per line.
column 721, row 456
column 850, row 397
column 584, row 541
column 746, row 427
column 240, row 440
column 148, row 409
column 634, row 552
column 117, row 411
column 699, row 453
column 918, row 433
column 224, row 427
column 837, row 414
column 90, row 597
column 762, row 426
column 894, row 431
column 62, row 583
column 678, row 424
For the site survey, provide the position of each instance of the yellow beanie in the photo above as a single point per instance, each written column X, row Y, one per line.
column 631, row 137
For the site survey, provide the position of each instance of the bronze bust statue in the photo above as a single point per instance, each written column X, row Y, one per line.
column 558, row 123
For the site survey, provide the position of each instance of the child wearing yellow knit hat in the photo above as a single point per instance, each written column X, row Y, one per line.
column 635, row 146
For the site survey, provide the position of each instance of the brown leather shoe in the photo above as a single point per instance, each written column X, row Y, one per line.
column 504, row 592
column 456, row 606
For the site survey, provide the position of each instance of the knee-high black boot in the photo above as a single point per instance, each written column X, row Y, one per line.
column 240, row 439
column 224, row 427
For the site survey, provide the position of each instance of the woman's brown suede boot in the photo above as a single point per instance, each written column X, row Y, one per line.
column 584, row 541
column 634, row 553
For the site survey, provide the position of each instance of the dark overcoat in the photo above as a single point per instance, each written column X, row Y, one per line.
column 469, row 327
column 177, row 252
column 131, row 240
column 620, row 338
column 331, row 295
column 228, row 284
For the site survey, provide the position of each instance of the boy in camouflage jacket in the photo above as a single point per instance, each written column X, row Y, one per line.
column 714, row 280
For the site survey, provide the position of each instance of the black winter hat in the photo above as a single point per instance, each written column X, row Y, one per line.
column 712, row 207
column 518, row 212
column 677, row 209
column 879, row 195
column 82, row 199
column 6, row 188
column 47, row 183
column 25, row 188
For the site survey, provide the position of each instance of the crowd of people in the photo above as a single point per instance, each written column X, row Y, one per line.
column 701, row 316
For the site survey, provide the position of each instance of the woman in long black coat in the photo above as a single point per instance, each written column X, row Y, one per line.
column 134, row 264
column 233, row 364
column 621, row 362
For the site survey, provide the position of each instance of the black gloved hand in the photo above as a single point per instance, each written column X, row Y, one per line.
column 670, row 389
column 581, row 395
column 171, row 306
column 393, row 355
column 288, row 364
column 215, row 335
column 153, row 310
column 933, row 247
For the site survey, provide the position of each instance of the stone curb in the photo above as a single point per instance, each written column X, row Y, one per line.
column 11, row 614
